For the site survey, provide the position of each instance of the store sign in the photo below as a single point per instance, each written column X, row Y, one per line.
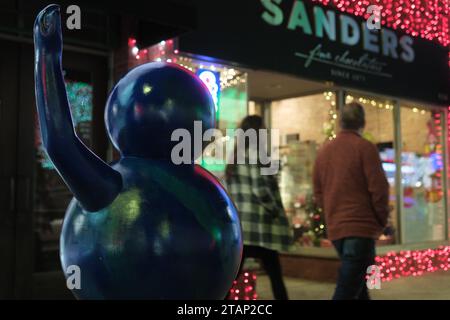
column 212, row 81
column 323, row 25
column 310, row 40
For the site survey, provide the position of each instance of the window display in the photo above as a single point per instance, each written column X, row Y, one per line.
column 305, row 123
column 423, row 212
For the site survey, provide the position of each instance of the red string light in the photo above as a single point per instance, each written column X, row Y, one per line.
column 426, row 19
column 131, row 42
column 159, row 52
column 244, row 288
column 394, row 265
column 439, row 157
column 448, row 132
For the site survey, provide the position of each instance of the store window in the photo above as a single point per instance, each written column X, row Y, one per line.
column 423, row 212
column 304, row 124
column 379, row 130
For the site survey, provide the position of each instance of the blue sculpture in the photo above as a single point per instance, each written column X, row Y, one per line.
column 143, row 228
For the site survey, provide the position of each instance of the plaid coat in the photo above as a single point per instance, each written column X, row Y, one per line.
column 257, row 198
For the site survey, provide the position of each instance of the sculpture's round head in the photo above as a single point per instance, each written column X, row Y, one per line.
column 149, row 103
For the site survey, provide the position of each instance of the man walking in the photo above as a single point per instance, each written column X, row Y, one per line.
column 351, row 188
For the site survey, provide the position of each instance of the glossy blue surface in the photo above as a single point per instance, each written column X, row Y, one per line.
column 172, row 233
column 93, row 182
column 143, row 228
column 149, row 103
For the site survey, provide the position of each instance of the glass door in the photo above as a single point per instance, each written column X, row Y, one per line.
column 423, row 212
column 380, row 130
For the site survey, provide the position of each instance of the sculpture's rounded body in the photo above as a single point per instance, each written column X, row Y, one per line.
column 172, row 233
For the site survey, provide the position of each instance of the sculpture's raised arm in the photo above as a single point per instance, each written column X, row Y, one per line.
column 94, row 183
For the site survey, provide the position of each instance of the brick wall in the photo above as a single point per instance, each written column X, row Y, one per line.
column 303, row 115
column 379, row 124
column 414, row 130
column 306, row 116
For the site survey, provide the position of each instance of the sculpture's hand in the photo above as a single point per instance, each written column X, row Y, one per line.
column 93, row 182
column 47, row 30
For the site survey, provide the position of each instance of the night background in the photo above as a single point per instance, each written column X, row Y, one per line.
column 294, row 63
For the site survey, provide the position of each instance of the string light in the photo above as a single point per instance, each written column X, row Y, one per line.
column 229, row 77
column 394, row 265
column 244, row 288
column 159, row 52
column 329, row 127
column 131, row 42
column 438, row 154
column 380, row 105
column 425, row 19
column 448, row 134
column 164, row 51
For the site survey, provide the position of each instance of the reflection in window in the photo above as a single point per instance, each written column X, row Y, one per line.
column 379, row 130
column 304, row 124
column 423, row 215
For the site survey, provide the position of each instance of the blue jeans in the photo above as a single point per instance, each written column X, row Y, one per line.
column 356, row 255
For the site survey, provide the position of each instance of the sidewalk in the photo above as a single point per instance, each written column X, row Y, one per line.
column 432, row 286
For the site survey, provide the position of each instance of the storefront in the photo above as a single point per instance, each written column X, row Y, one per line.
column 296, row 63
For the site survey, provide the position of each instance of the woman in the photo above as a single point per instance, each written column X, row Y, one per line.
column 265, row 227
